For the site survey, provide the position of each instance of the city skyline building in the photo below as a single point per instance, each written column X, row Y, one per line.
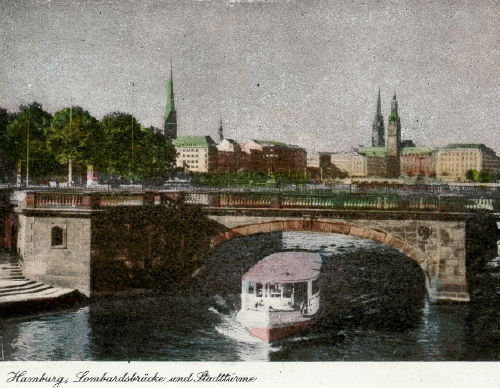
column 378, row 130
column 393, row 140
column 394, row 129
column 170, row 116
column 220, row 131
column 455, row 160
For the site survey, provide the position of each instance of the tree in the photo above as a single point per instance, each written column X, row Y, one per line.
column 473, row 175
column 25, row 141
column 155, row 156
column 73, row 138
column 5, row 118
column 121, row 136
column 133, row 151
column 485, row 177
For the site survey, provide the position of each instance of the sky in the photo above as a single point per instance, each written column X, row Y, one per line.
column 304, row 72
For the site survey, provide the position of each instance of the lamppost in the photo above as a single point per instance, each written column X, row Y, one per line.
column 132, row 124
column 28, row 151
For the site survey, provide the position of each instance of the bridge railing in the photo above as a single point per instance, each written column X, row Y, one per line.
column 51, row 199
column 357, row 201
column 354, row 201
column 483, row 191
column 128, row 199
column 65, row 200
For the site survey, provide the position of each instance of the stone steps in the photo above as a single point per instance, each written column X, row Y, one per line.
column 46, row 293
column 16, row 284
column 19, row 295
column 25, row 290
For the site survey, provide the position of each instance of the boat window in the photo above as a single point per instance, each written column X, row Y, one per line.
column 258, row 289
column 315, row 286
column 287, row 290
column 275, row 290
column 251, row 287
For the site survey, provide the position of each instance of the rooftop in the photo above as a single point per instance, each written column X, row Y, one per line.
column 232, row 141
column 193, row 141
column 271, row 143
column 417, row 150
column 477, row 146
column 373, row 151
column 285, row 267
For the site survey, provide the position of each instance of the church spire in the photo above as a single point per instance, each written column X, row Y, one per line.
column 379, row 104
column 394, row 108
column 170, row 116
column 378, row 130
column 394, row 129
column 221, row 130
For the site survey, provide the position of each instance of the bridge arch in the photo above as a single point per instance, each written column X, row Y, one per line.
column 423, row 260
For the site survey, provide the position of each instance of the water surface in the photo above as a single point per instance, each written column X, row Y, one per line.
column 373, row 302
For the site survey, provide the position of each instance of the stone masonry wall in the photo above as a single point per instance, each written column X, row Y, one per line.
column 65, row 265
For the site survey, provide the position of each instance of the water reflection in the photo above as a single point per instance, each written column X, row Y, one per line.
column 56, row 336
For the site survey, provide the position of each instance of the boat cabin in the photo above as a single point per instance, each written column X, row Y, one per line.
column 284, row 281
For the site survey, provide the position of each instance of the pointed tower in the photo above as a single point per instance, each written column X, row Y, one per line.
column 221, row 130
column 170, row 116
column 393, row 140
column 378, row 130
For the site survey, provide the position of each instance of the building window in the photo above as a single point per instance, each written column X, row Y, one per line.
column 57, row 237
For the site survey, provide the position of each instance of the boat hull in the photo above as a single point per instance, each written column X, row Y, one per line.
column 273, row 325
column 270, row 334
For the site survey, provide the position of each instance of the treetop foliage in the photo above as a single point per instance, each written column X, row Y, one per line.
column 115, row 145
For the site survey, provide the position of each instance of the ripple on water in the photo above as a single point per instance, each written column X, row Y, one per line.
column 63, row 335
column 249, row 348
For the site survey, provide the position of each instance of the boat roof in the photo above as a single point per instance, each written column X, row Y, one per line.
column 285, row 267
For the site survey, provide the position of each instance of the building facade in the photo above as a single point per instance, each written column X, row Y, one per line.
column 275, row 157
column 350, row 164
column 454, row 160
column 418, row 161
column 229, row 157
column 376, row 161
column 195, row 153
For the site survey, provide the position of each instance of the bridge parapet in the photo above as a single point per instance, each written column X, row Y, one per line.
column 276, row 200
column 347, row 201
column 62, row 200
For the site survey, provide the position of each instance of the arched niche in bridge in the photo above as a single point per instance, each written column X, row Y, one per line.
column 383, row 237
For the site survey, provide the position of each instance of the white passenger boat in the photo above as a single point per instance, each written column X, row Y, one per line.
column 281, row 294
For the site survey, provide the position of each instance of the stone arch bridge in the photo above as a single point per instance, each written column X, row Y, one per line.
column 56, row 231
column 436, row 245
